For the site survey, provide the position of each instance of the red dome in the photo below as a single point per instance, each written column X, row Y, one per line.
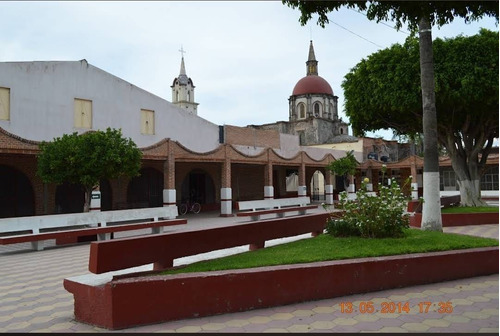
column 312, row 84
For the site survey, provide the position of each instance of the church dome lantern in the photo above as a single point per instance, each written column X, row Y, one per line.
column 312, row 84
column 312, row 96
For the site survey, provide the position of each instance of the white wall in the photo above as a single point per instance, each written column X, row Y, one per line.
column 42, row 97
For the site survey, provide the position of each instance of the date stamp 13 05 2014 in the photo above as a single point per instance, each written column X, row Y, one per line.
column 389, row 307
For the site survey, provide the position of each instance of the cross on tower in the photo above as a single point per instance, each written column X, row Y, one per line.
column 182, row 51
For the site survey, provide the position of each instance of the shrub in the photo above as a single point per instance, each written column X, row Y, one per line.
column 372, row 216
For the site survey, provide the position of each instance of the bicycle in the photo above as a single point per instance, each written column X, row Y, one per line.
column 188, row 206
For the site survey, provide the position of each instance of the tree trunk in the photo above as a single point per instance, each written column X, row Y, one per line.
column 466, row 165
column 470, row 193
column 86, row 204
column 431, row 211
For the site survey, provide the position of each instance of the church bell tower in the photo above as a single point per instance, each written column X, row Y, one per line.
column 183, row 90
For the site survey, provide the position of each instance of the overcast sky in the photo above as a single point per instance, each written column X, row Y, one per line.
column 244, row 57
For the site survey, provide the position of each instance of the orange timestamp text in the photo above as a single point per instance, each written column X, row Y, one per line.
column 369, row 307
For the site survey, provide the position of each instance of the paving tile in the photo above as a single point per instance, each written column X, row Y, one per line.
column 188, row 329
column 299, row 328
column 303, row 312
column 275, row 330
column 476, row 298
column 392, row 330
column 488, row 330
column 344, row 321
column 322, row 325
column 366, row 317
column 35, row 300
column 366, row 326
column 436, row 323
column 324, row 310
column 237, row 323
column 281, row 316
column 415, row 327
column 456, row 319
column 476, row 315
column 213, row 326
column 259, row 319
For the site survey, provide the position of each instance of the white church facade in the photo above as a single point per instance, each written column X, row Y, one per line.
column 182, row 152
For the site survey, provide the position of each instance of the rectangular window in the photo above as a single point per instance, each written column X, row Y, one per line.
column 147, row 122
column 4, row 103
column 83, row 113
column 489, row 181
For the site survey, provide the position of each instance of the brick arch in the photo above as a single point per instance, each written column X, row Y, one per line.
column 198, row 185
column 16, row 193
column 318, row 195
column 146, row 190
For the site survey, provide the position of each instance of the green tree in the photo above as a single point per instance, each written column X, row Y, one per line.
column 87, row 158
column 383, row 91
column 344, row 166
column 421, row 16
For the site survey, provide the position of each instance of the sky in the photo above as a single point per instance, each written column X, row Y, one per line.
column 244, row 57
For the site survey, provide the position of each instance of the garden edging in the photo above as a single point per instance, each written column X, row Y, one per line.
column 459, row 219
column 129, row 301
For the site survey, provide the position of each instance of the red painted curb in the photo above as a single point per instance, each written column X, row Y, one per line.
column 460, row 219
column 132, row 301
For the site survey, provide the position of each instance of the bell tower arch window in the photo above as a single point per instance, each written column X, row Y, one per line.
column 317, row 109
column 302, row 111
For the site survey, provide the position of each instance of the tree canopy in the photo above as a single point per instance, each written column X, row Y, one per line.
column 87, row 158
column 383, row 90
column 421, row 16
column 438, row 13
column 345, row 165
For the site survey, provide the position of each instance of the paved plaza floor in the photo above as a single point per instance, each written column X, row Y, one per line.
column 32, row 298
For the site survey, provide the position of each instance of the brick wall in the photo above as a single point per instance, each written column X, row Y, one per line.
column 251, row 137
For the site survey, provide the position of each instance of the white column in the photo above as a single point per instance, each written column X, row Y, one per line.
column 414, row 191
column 329, row 194
column 226, row 202
column 302, row 191
column 95, row 201
column 351, row 194
column 169, row 197
column 268, row 192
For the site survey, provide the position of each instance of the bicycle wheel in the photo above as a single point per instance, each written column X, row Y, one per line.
column 183, row 209
column 196, row 207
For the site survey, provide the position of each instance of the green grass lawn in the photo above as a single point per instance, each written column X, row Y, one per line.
column 460, row 210
column 325, row 247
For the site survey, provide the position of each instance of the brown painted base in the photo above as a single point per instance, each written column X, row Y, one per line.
column 459, row 219
column 137, row 300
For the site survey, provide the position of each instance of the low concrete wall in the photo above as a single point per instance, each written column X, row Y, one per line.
column 138, row 300
column 460, row 219
column 36, row 223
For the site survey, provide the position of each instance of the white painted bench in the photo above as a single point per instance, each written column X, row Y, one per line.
column 36, row 229
column 278, row 206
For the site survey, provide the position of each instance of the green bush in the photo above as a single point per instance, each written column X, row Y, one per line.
column 372, row 216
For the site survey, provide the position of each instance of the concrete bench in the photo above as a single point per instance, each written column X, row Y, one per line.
column 36, row 229
column 162, row 249
column 278, row 206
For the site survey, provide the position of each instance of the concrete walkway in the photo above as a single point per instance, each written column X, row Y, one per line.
column 32, row 297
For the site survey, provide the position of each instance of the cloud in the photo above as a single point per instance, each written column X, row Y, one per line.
column 244, row 57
